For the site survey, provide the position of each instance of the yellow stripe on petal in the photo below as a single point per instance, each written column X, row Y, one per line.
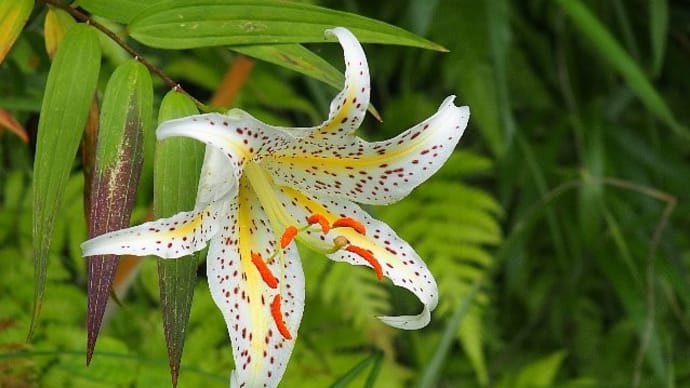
column 348, row 108
column 177, row 236
column 262, row 317
column 240, row 136
column 372, row 173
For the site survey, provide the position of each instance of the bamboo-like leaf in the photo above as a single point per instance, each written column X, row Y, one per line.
column 68, row 93
column 126, row 113
column 609, row 49
column 13, row 16
column 116, row 10
column 295, row 57
column 176, row 175
column 300, row 59
column 55, row 27
column 179, row 24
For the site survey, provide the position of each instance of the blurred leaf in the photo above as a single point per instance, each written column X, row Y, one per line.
column 591, row 193
column 612, row 52
column 178, row 24
column 658, row 31
column 13, row 16
column 499, row 39
column 358, row 369
column 56, row 25
column 176, row 175
column 469, row 66
column 433, row 368
column 125, row 114
column 68, row 93
column 540, row 373
column 420, row 14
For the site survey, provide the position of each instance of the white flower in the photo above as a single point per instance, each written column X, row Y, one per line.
column 263, row 186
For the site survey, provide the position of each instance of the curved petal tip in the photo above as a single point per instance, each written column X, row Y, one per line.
column 408, row 322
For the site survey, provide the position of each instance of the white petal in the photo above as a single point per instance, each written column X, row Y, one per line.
column 373, row 173
column 237, row 133
column 408, row 322
column 177, row 236
column 260, row 350
column 398, row 261
column 348, row 108
column 233, row 140
column 218, row 178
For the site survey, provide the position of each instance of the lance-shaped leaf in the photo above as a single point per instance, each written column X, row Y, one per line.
column 125, row 114
column 68, row 93
column 174, row 181
column 300, row 59
column 297, row 58
column 620, row 61
column 13, row 15
column 56, row 25
column 116, row 10
column 180, row 24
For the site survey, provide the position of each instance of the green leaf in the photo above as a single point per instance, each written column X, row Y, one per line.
column 178, row 25
column 353, row 373
column 297, row 58
column 116, row 10
column 125, row 115
column 56, row 25
column 611, row 51
column 176, row 175
column 499, row 32
column 434, row 366
column 658, row 30
column 540, row 373
column 13, row 16
column 68, row 93
column 469, row 65
column 300, row 59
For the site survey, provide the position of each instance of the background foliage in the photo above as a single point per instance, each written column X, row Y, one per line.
column 557, row 232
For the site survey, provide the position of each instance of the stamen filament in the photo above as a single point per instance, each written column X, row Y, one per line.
column 321, row 220
column 278, row 318
column 288, row 236
column 265, row 272
column 369, row 257
column 350, row 223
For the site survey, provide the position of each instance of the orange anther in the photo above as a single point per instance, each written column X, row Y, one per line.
column 278, row 318
column 350, row 223
column 265, row 272
column 321, row 220
column 288, row 236
column 369, row 257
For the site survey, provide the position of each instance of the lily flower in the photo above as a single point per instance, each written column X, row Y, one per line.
column 263, row 187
